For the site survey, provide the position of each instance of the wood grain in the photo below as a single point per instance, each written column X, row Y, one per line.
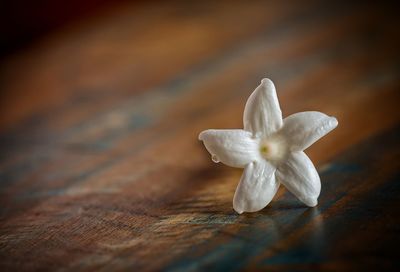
column 101, row 169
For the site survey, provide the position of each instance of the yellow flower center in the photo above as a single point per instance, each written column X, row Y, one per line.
column 273, row 149
column 264, row 149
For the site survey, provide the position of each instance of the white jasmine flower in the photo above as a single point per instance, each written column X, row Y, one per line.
column 270, row 150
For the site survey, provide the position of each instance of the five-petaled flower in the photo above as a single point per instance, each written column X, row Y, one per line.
column 270, row 150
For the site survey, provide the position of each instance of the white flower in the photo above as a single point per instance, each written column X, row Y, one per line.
column 270, row 150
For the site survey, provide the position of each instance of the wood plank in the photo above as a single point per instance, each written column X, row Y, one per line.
column 101, row 169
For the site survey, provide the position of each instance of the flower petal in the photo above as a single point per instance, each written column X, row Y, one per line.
column 300, row 177
column 233, row 147
column 262, row 113
column 257, row 187
column 304, row 128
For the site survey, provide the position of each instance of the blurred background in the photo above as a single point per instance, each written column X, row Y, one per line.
column 57, row 52
column 101, row 103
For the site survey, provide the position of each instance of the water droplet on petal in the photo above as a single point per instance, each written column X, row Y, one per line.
column 214, row 158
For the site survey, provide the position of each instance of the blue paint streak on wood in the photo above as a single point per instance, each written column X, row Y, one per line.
column 334, row 229
column 273, row 223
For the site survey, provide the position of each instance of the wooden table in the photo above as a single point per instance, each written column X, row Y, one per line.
column 101, row 169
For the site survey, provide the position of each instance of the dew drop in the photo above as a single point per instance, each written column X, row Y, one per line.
column 214, row 158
